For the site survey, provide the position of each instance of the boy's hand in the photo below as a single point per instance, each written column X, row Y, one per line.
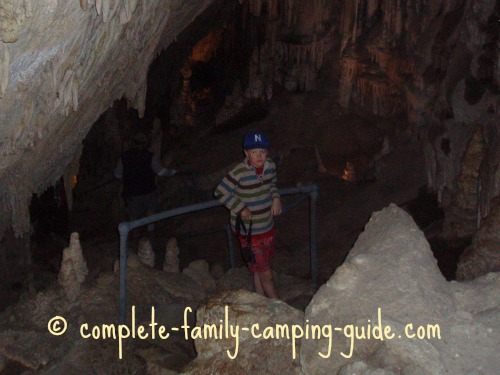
column 246, row 214
column 276, row 207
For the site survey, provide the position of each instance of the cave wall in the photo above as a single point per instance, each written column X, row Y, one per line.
column 432, row 64
column 62, row 64
column 436, row 64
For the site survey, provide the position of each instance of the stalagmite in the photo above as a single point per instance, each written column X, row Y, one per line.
column 73, row 268
column 171, row 263
column 145, row 252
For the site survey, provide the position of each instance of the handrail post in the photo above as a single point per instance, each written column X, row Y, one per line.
column 124, row 229
column 229, row 235
column 313, row 194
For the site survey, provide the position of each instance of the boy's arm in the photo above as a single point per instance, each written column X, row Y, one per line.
column 225, row 194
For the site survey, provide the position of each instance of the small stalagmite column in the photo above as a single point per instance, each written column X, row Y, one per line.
column 171, row 263
column 145, row 252
column 73, row 268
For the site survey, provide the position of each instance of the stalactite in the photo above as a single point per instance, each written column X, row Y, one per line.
column 140, row 98
column 349, row 71
column 372, row 7
column 18, row 193
column 74, row 92
column 272, row 9
column 399, row 20
column 105, row 10
column 354, row 34
column 4, row 68
column 255, row 7
column 98, row 6
column 84, row 4
column 289, row 14
column 28, row 8
column 127, row 10
column 69, row 174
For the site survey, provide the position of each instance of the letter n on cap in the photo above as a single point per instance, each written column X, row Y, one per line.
column 258, row 138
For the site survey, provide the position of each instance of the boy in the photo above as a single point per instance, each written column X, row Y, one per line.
column 249, row 192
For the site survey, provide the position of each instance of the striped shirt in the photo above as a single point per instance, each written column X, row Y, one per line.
column 242, row 187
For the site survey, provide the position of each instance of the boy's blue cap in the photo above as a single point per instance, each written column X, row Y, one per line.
column 255, row 139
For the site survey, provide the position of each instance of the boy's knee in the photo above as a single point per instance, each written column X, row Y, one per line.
column 266, row 275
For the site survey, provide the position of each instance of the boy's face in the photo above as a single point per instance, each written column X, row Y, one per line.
column 257, row 156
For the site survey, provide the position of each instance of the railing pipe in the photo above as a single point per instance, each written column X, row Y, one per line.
column 124, row 229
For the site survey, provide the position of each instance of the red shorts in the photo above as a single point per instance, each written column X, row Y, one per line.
column 263, row 249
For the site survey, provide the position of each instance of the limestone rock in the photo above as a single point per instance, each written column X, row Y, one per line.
column 73, row 268
column 199, row 272
column 182, row 286
column 361, row 368
column 236, row 278
column 390, row 278
column 217, row 270
column 483, row 255
column 254, row 355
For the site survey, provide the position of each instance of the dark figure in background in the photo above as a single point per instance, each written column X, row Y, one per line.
column 137, row 168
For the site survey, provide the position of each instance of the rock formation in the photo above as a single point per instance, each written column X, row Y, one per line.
column 254, row 355
column 391, row 278
column 171, row 262
column 483, row 255
column 145, row 252
column 73, row 268
column 432, row 63
column 390, row 268
column 199, row 272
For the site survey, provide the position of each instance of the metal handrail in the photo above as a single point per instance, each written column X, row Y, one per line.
column 125, row 227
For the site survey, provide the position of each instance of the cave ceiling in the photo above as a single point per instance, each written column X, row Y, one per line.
column 62, row 64
column 433, row 63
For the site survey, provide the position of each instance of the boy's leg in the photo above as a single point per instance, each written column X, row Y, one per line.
column 266, row 280
column 258, row 284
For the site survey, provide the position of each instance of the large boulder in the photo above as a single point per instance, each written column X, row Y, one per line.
column 390, row 279
column 245, row 354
